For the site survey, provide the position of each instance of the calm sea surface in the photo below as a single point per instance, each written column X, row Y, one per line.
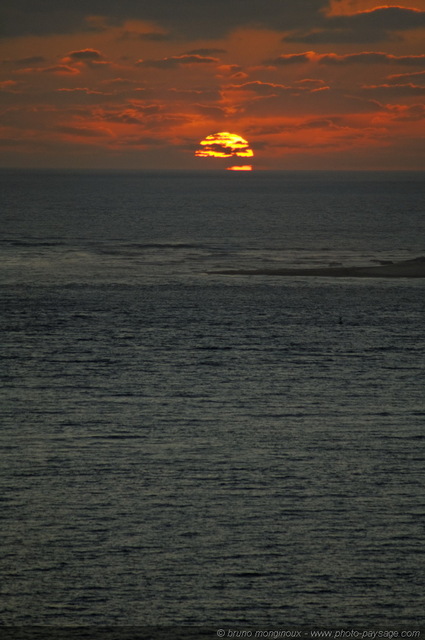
column 180, row 447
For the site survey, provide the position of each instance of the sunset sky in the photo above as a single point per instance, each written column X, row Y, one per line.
column 137, row 84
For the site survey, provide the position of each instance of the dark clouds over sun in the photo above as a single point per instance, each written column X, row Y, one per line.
column 137, row 84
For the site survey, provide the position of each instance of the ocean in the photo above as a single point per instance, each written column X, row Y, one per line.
column 186, row 447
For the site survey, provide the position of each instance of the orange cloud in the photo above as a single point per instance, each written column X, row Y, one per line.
column 403, row 113
column 350, row 7
column 8, row 85
column 406, row 76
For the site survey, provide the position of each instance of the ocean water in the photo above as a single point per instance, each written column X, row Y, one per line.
column 181, row 447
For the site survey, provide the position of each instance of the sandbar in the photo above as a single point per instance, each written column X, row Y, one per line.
column 414, row 268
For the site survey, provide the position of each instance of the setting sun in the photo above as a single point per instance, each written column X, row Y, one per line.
column 224, row 145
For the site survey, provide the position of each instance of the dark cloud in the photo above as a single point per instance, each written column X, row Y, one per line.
column 270, row 89
column 370, row 57
column 134, row 115
column 58, row 69
column 267, row 130
column 290, row 58
column 151, row 36
column 387, row 18
column 155, row 36
column 127, row 117
column 192, row 18
column 388, row 91
column 143, row 141
column 25, row 62
column 310, row 83
column 85, row 55
column 89, row 58
column 364, row 57
column 61, row 69
column 338, row 36
column 261, row 88
column 175, row 61
column 381, row 23
column 196, row 93
column 322, row 123
column 210, row 111
column 12, row 142
column 119, row 82
column 85, row 90
column 205, row 52
column 81, row 131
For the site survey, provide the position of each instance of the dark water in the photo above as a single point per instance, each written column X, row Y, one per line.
column 180, row 448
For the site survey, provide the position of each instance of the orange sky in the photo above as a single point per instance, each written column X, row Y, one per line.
column 309, row 85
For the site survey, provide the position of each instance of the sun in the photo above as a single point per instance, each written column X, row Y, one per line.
column 224, row 145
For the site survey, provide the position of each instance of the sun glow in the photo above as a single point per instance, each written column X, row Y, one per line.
column 240, row 167
column 224, row 145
